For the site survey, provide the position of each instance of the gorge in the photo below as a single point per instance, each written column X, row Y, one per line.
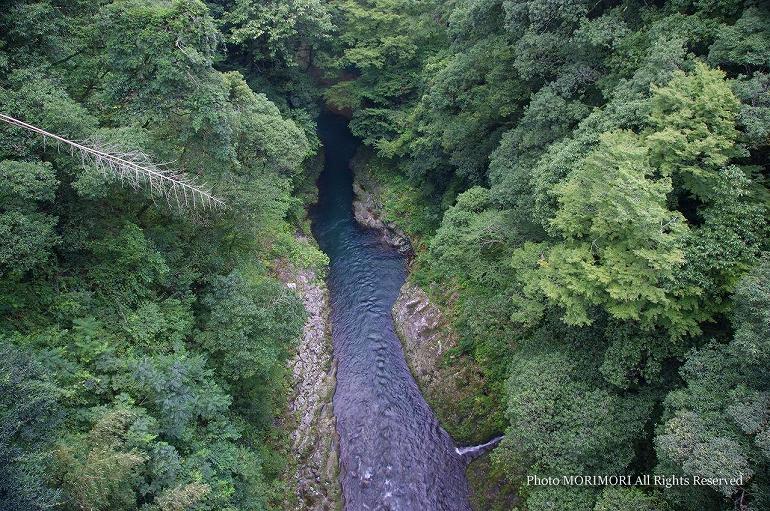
column 393, row 452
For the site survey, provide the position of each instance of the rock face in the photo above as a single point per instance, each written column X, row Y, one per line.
column 424, row 333
column 452, row 391
column 449, row 385
column 367, row 210
column 364, row 210
column 314, row 442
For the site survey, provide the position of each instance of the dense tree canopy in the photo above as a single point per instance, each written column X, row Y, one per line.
column 602, row 168
column 143, row 349
column 586, row 183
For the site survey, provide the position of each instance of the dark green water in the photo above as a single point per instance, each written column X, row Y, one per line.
column 393, row 453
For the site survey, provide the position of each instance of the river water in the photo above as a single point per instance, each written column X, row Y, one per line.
column 393, row 453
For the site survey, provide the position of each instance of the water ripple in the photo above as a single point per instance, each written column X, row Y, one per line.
column 394, row 455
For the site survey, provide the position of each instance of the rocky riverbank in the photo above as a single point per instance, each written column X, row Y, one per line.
column 449, row 382
column 367, row 207
column 452, row 384
column 313, row 442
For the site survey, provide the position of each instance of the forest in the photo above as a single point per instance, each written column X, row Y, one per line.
column 585, row 184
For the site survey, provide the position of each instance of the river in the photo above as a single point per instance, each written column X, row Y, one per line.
column 394, row 455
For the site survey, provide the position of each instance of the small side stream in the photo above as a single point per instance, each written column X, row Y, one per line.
column 394, row 455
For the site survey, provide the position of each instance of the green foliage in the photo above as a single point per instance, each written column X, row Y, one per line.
column 602, row 171
column 694, row 121
column 622, row 245
column 385, row 41
column 547, row 117
column 275, row 44
column 755, row 108
column 401, row 203
column 272, row 31
column 249, row 325
column 143, row 351
column 99, row 470
column 552, row 384
column 744, row 43
column 29, row 416
column 567, row 499
column 29, row 235
column 628, row 499
column 716, row 425
column 125, row 267
column 587, row 182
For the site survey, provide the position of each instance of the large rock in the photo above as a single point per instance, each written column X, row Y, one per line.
column 424, row 333
column 367, row 207
column 450, row 383
column 314, row 441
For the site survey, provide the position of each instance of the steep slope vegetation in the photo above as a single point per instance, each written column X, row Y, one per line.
column 592, row 214
column 144, row 348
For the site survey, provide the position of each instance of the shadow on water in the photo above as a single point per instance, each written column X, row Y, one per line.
column 393, row 453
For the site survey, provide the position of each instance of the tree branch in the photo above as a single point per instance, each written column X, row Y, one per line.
column 134, row 168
